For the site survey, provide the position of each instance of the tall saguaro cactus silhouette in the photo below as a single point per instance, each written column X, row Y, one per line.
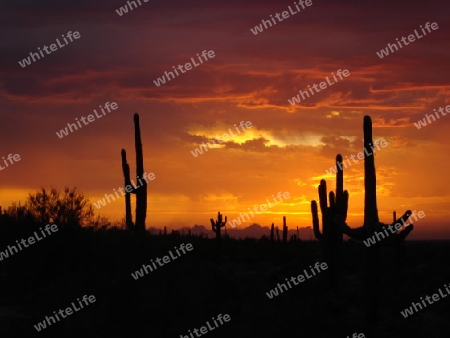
column 141, row 191
column 334, row 225
column 372, row 266
column 371, row 226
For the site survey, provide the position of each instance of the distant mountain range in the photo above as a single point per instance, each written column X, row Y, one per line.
column 253, row 230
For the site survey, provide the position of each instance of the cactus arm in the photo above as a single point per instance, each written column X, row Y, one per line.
column 127, row 180
column 404, row 218
column 323, row 199
column 315, row 220
column 355, row 234
column 344, row 205
column 332, row 199
column 339, row 177
column 402, row 235
column 360, row 234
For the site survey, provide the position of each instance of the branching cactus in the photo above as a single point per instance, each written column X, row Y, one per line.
column 141, row 190
column 331, row 236
column 371, row 226
column 334, row 218
column 216, row 225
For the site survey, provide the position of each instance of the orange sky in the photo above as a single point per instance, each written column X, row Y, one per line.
column 251, row 77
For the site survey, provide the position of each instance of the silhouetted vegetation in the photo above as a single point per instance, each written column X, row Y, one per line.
column 73, row 262
column 69, row 208
column 99, row 261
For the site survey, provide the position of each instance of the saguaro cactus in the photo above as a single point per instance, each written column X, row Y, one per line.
column 141, row 191
column 331, row 235
column 372, row 266
column 127, row 181
column 285, row 231
column 370, row 226
column 272, row 233
column 216, row 225
column 334, row 217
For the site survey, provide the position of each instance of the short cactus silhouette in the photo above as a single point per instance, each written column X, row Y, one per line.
column 216, row 225
column 285, row 231
column 272, row 233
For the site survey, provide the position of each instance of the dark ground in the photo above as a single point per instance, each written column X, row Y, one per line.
column 185, row 293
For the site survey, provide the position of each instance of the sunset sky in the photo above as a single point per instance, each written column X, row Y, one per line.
column 288, row 148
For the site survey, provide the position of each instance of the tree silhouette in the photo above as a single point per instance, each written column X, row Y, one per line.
column 69, row 208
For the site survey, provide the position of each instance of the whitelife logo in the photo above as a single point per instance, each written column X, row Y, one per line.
column 411, row 38
column 123, row 10
column 284, row 14
column 417, row 306
column 226, row 318
column 53, row 48
column 188, row 66
column 65, row 313
column 31, row 240
column 322, row 85
column 225, row 136
column 90, row 118
column 318, row 267
column 423, row 123
column 378, row 236
column 360, row 155
column 161, row 261
column 128, row 189
column 262, row 207
column 11, row 157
